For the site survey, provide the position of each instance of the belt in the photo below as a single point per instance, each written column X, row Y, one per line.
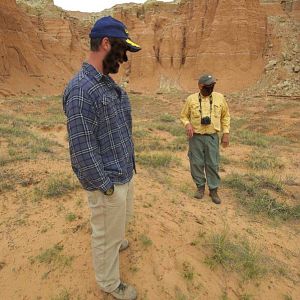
column 208, row 134
column 212, row 135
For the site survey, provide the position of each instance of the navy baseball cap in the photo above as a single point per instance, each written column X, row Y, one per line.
column 207, row 79
column 110, row 27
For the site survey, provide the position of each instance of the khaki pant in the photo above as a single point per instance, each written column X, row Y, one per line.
column 109, row 215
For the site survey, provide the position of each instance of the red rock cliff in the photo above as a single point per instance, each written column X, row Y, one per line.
column 40, row 51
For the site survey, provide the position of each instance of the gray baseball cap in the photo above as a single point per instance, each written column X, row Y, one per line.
column 207, row 79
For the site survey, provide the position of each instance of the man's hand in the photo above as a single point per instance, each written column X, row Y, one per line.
column 189, row 130
column 225, row 140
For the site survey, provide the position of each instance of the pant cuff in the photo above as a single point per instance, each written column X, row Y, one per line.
column 111, row 288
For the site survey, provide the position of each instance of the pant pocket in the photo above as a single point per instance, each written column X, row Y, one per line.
column 94, row 198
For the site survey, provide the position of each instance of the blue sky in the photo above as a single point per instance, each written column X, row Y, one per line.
column 92, row 5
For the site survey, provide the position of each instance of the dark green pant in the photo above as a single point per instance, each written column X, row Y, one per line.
column 204, row 156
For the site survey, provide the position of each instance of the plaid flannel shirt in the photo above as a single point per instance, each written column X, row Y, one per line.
column 100, row 130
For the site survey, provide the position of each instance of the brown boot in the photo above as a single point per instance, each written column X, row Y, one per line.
column 214, row 196
column 200, row 192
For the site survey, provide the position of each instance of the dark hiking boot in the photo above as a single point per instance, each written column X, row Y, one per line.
column 214, row 196
column 124, row 292
column 200, row 192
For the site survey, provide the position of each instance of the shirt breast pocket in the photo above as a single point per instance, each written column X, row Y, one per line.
column 217, row 111
column 195, row 112
column 109, row 107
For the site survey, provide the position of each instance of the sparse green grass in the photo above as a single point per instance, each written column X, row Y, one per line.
column 179, row 295
column 157, row 159
column 146, row 241
column 22, row 144
column 54, row 257
column 199, row 238
column 70, row 217
column 6, row 186
column 287, row 297
column 52, row 115
column 263, row 161
column 253, row 138
column 238, row 256
column 140, row 132
column 55, row 186
column 225, row 160
column 252, row 192
column 187, row 189
column 173, row 128
column 224, row 296
column 155, row 144
column 245, row 297
column 179, row 144
column 188, row 271
column 167, row 118
column 238, row 123
column 63, row 295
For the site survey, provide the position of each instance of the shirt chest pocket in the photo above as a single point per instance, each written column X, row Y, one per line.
column 108, row 107
column 195, row 111
column 217, row 110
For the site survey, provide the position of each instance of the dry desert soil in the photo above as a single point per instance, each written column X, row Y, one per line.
column 180, row 248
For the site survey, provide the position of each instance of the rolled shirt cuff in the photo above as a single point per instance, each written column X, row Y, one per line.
column 185, row 123
column 225, row 130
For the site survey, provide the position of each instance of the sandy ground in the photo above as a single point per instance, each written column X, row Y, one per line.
column 170, row 237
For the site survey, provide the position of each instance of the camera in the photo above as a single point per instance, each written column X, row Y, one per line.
column 206, row 121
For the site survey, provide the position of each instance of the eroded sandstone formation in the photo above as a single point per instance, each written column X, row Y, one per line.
column 41, row 46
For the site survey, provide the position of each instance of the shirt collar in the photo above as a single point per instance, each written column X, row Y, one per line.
column 91, row 70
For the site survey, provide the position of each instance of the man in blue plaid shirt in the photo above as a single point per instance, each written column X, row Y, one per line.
column 101, row 148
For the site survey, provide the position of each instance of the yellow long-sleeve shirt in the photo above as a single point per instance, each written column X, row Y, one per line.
column 220, row 117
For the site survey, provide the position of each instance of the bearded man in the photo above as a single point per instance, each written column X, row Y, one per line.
column 99, row 126
column 204, row 115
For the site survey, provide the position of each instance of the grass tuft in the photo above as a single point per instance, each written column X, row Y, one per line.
column 263, row 161
column 167, row 118
column 188, row 271
column 55, row 186
column 252, row 192
column 157, row 159
column 54, row 257
column 239, row 256
column 146, row 241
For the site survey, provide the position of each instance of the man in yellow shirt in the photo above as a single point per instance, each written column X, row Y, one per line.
column 204, row 115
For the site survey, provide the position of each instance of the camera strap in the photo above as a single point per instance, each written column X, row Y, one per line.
column 210, row 104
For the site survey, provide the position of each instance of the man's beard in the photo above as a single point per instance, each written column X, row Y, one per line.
column 115, row 57
column 207, row 90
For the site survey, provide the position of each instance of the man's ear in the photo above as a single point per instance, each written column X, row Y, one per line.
column 105, row 44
